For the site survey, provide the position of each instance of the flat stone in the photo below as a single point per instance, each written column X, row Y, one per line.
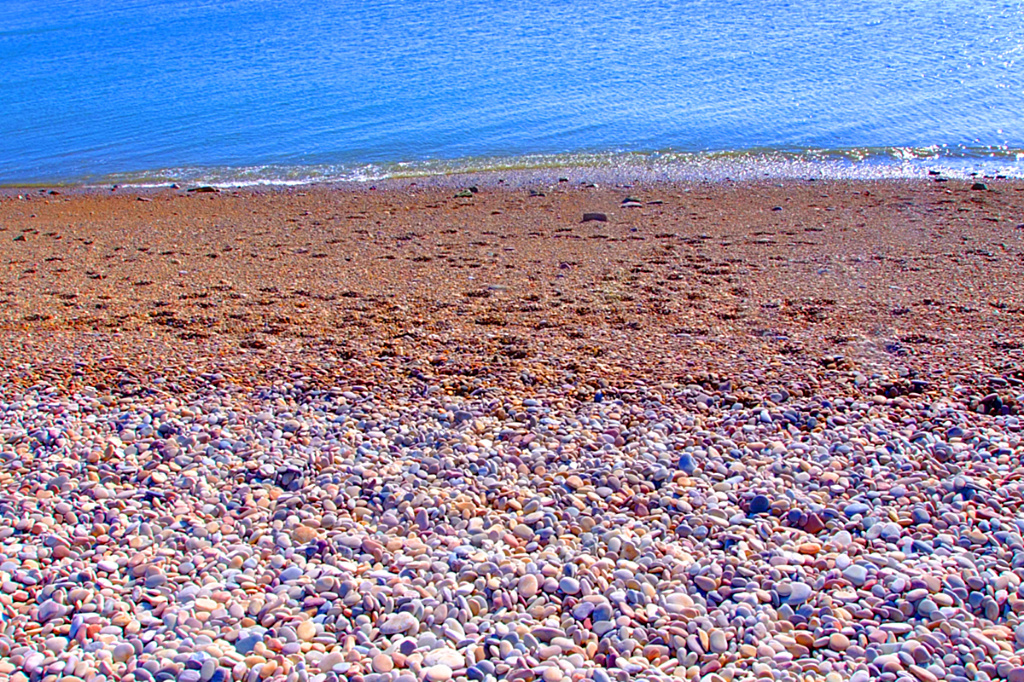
column 328, row 662
column 799, row 593
column 402, row 622
column 837, row 641
column 49, row 610
column 523, row 532
column 552, row 674
column 856, row 574
column 205, row 604
column 444, row 656
column 718, row 642
column 687, row 464
column 57, row 644
column 246, row 642
column 546, row 634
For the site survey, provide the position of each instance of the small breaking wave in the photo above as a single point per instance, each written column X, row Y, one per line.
column 668, row 165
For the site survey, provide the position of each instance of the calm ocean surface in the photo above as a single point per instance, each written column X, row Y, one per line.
column 244, row 91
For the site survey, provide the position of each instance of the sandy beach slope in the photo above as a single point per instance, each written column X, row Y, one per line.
column 418, row 432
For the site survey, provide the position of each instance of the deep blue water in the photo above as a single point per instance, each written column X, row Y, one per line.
column 247, row 90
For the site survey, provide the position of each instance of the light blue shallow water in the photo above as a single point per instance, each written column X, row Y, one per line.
column 254, row 91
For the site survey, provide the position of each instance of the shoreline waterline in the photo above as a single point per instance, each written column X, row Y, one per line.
column 851, row 164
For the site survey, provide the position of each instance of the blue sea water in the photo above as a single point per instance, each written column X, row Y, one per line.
column 250, row 91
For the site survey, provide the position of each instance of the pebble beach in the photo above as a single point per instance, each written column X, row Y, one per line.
column 482, row 430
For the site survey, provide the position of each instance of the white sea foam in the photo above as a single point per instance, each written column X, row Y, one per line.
column 888, row 163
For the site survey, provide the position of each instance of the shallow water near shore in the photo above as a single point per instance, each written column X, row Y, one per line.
column 241, row 92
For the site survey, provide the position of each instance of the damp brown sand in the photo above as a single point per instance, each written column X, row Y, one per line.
column 889, row 273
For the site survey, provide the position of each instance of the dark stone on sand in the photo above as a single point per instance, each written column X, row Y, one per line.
column 920, row 515
column 979, row 186
column 814, row 524
column 599, row 217
column 687, row 464
column 760, row 505
column 855, row 508
column 205, row 189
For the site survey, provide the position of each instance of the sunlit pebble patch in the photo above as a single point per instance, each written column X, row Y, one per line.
column 292, row 533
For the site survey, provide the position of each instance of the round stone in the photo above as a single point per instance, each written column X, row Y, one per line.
column 247, row 641
column 552, row 674
column 306, row 630
column 303, row 534
column 760, row 505
column 437, row 673
column 523, row 532
column 123, row 651
column 569, row 585
column 528, row 586
column 837, row 641
column 891, row 532
column 48, row 610
column 382, row 663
